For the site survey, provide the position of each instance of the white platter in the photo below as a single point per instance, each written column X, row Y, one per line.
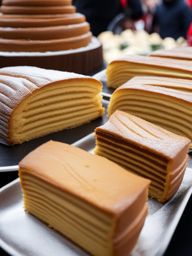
column 23, row 235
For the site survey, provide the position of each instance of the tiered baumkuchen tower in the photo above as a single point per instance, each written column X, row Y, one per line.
column 47, row 33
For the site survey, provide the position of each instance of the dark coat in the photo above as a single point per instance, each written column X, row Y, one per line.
column 100, row 13
column 172, row 19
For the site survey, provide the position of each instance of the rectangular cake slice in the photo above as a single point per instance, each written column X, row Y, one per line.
column 121, row 70
column 163, row 101
column 89, row 199
column 180, row 53
column 35, row 102
column 145, row 149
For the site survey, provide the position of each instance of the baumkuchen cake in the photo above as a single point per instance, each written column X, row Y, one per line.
column 146, row 150
column 163, row 101
column 89, row 199
column 50, row 31
column 121, row 70
column 182, row 53
column 35, row 102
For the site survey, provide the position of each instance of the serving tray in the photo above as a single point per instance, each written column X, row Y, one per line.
column 106, row 92
column 10, row 156
column 68, row 60
column 21, row 234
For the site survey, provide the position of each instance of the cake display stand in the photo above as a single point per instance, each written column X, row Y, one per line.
column 86, row 60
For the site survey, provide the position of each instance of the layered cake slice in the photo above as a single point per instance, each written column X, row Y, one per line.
column 89, row 199
column 35, row 102
column 162, row 101
column 121, row 70
column 145, row 149
column 180, row 53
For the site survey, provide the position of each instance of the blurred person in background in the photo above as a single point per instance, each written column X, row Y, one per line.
column 100, row 13
column 149, row 7
column 172, row 18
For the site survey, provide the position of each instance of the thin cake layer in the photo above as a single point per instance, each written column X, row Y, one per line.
column 146, row 150
column 181, row 53
column 34, row 6
column 37, row 2
column 121, row 70
column 26, row 21
column 40, row 26
column 35, row 102
column 166, row 82
column 165, row 102
column 20, row 45
column 68, row 189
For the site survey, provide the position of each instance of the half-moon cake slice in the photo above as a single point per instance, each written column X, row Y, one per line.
column 121, row 70
column 180, row 53
column 35, row 102
column 162, row 101
column 89, row 199
column 146, row 150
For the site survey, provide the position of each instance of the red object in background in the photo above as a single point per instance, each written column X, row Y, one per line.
column 189, row 35
column 189, row 2
column 124, row 3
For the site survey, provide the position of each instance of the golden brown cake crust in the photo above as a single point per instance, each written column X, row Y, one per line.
column 144, row 134
column 145, row 149
column 39, row 10
column 166, row 82
column 94, row 197
column 78, row 173
column 47, row 45
column 40, row 20
column 155, row 90
column 46, row 33
column 35, row 7
column 156, row 61
column 36, row 2
column 164, row 101
column 18, row 83
column 182, row 53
